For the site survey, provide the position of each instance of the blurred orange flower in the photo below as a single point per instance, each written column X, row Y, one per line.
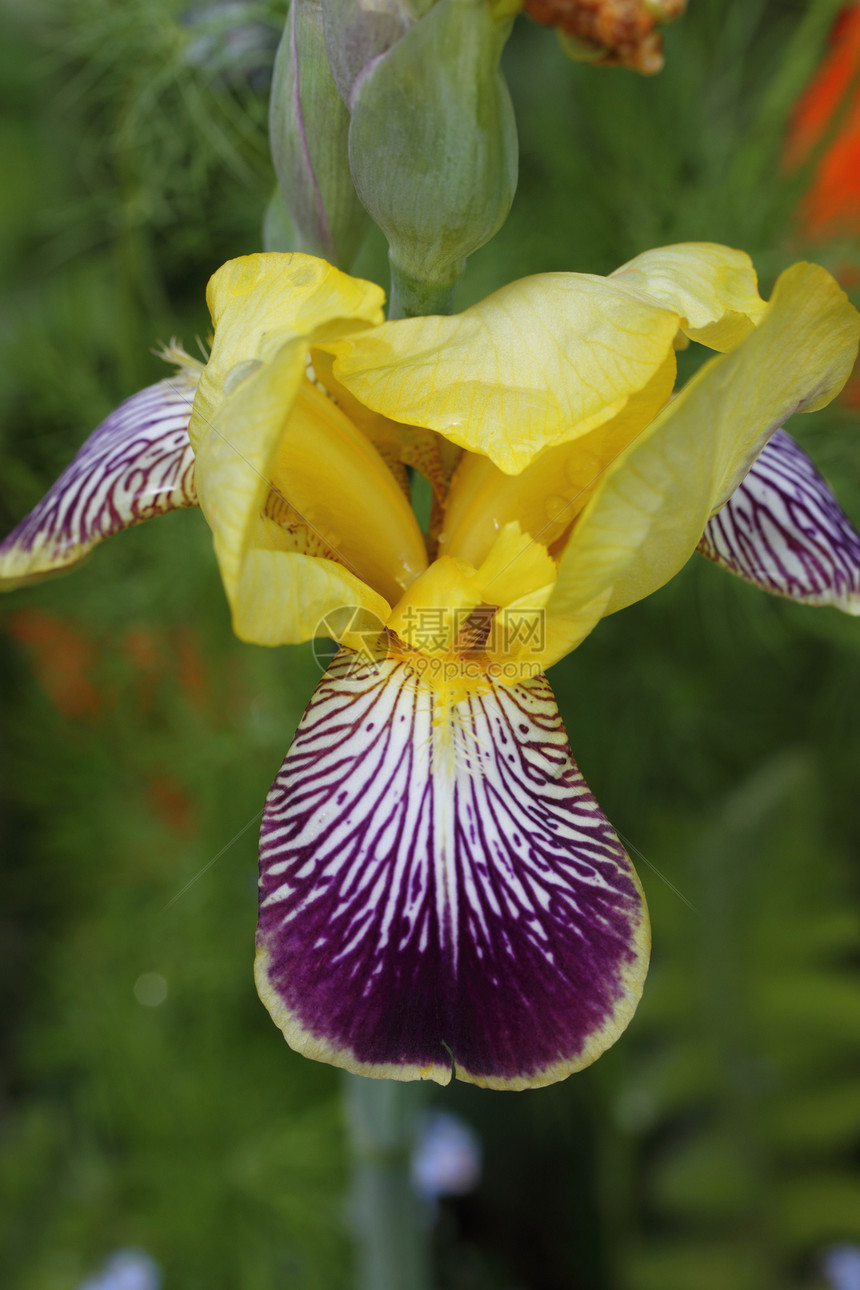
column 62, row 658
column 613, row 33
column 831, row 207
column 65, row 662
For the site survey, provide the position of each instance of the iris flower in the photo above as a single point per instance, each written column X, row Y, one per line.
column 440, row 894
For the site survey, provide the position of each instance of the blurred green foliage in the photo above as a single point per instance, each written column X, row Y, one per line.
column 716, row 1146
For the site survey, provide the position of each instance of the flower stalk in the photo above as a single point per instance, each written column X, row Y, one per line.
column 410, row 298
column 391, row 1243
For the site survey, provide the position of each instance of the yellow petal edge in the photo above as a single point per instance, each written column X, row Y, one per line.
column 713, row 288
column 541, row 362
column 650, row 509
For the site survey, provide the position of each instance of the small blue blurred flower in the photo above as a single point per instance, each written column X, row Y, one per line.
column 126, row 1270
column 446, row 1160
column 841, row 1267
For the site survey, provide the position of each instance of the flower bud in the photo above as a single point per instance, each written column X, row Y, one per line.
column 356, row 31
column 308, row 129
column 432, row 141
column 278, row 232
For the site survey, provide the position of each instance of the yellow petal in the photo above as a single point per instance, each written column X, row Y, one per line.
column 541, row 362
column 646, row 517
column 713, row 288
column 546, row 497
column 429, row 617
column 397, row 444
column 276, row 427
column 337, row 481
column 516, row 569
column 282, row 598
column 260, row 299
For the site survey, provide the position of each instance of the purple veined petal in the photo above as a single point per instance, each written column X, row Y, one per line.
column 137, row 464
column 439, row 891
column 784, row 530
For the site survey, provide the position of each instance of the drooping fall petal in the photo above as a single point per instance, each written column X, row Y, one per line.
column 439, row 890
column 783, row 530
column 138, row 463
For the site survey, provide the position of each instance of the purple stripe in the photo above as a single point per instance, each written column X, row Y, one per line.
column 137, row 464
column 783, row 530
column 435, row 881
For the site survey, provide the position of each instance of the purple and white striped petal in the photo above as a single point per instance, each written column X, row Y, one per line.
column 783, row 530
column 137, row 464
column 440, row 893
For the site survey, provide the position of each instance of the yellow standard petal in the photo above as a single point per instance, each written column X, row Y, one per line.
column 258, row 298
column 274, row 447
column 546, row 497
column 713, row 288
column 541, row 362
column 306, row 517
column 647, row 515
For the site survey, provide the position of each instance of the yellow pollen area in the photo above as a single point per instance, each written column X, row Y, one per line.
column 464, row 629
column 332, row 475
column 452, row 677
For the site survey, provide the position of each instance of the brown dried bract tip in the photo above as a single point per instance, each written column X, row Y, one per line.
column 614, row 33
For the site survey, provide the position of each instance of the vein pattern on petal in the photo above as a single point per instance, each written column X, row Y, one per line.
column 437, row 885
column 538, row 363
column 138, row 464
column 783, row 530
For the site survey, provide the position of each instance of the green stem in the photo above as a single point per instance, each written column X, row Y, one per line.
column 391, row 1242
column 410, row 298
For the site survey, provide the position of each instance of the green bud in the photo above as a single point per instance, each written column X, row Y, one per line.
column 356, row 31
column 308, row 131
column 278, row 232
column 432, row 142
